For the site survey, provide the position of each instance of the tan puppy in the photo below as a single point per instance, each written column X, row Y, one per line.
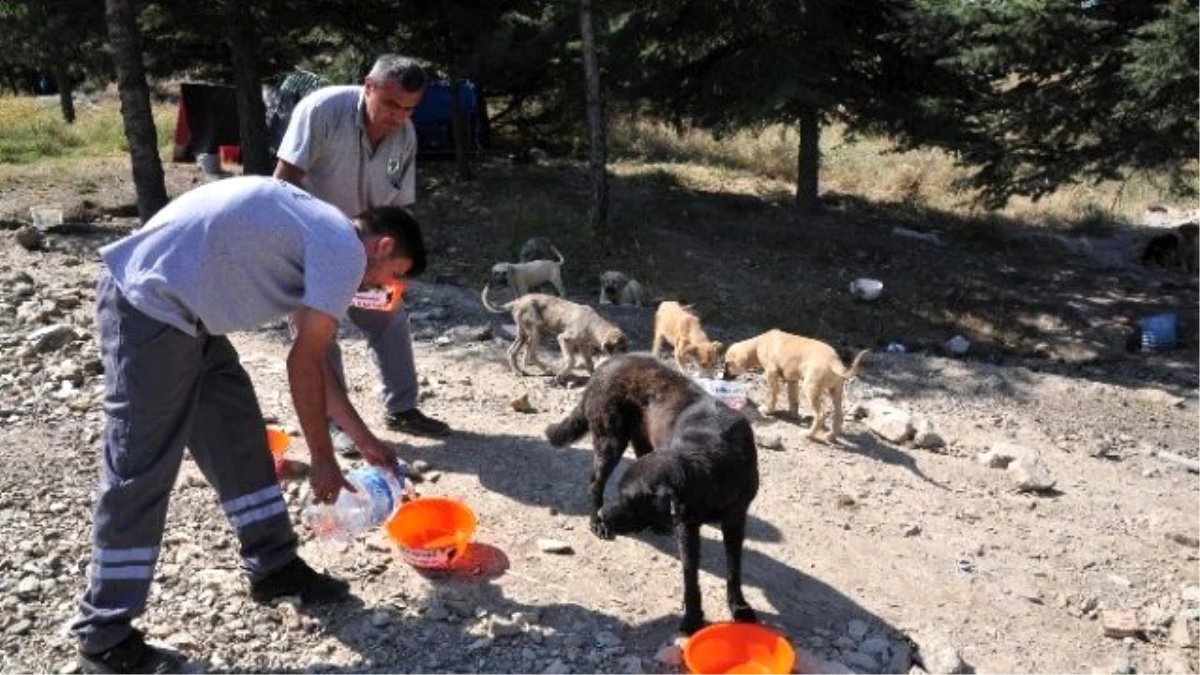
column 676, row 324
column 524, row 276
column 580, row 330
column 797, row 361
column 618, row 289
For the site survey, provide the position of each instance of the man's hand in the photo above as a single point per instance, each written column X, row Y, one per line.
column 382, row 455
column 326, row 479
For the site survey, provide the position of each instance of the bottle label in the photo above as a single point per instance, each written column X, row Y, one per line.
column 377, row 491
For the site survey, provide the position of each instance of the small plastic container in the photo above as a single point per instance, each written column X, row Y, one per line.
column 278, row 442
column 431, row 532
column 729, row 392
column 209, row 163
column 230, row 154
column 866, row 289
column 379, row 494
column 738, row 648
column 1159, row 332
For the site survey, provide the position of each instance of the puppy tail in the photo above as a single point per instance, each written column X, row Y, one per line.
column 855, row 367
column 561, row 259
column 487, row 305
column 571, row 429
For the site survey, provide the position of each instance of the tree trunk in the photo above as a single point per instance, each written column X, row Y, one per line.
column 252, row 112
column 121, row 18
column 598, row 155
column 808, row 161
column 458, row 124
column 66, row 92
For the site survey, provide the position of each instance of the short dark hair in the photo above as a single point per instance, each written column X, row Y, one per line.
column 397, row 223
column 404, row 70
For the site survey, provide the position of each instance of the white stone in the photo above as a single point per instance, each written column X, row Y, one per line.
column 1030, row 475
column 554, row 546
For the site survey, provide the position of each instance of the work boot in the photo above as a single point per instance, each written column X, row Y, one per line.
column 298, row 579
column 131, row 655
column 416, row 423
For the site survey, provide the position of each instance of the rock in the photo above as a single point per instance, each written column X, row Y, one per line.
column 1000, row 455
column 468, row 334
column 1030, row 475
column 607, row 639
column 557, row 667
column 629, row 664
column 1120, row 623
column 30, row 238
column 181, row 641
column 1180, row 635
column 554, row 546
column 940, row 655
column 502, row 626
column 381, row 619
column 926, row 437
column 910, row 529
column 769, row 441
column 1184, row 538
column 860, row 661
column 71, row 667
column 51, row 338
column 901, row 658
column 1122, row 666
column 670, row 655
column 1190, row 593
column 957, row 345
column 29, row 587
column 874, row 646
column 521, row 404
column 809, row 662
column 890, row 423
column 857, row 629
column 20, row 627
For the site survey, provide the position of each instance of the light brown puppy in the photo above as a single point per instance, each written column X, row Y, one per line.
column 797, row 361
column 676, row 324
column 580, row 330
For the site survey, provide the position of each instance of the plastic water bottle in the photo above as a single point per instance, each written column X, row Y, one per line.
column 380, row 493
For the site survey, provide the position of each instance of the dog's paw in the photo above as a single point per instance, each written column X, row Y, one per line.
column 600, row 529
column 691, row 624
column 743, row 614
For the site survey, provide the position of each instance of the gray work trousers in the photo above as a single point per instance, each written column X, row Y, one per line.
column 391, row 349
column 165, row 390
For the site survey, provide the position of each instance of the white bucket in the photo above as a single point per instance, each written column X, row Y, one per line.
column 209, row 162
column 731, row 393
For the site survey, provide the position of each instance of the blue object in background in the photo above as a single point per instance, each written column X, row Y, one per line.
column 434, row 118
column 1159, row 332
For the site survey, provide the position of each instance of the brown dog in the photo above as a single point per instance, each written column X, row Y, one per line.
column 580, row 330
column 796, row 360
column 676, row 324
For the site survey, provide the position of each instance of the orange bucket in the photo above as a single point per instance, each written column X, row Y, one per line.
column 738, row 648
column 430, row 532
column 278, row 442
column 230, row 154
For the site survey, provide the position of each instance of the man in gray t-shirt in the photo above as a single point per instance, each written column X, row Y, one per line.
column 228, row 256
column 355, row 147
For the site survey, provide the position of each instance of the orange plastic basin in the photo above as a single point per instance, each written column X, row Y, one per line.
column 738, row 648
column 277, row 441
column 431, row 531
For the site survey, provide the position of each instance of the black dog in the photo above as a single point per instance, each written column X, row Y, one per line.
column 696, row 463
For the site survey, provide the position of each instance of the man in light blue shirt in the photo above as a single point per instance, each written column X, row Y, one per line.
column 228, row 256
column 355, row 147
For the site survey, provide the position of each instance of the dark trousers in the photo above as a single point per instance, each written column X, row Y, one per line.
column 165, row 390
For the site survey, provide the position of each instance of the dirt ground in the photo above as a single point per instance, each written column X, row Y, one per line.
column 857, row 550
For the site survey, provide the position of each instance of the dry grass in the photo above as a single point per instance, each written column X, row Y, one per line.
column 32, row 130
column 870, row 169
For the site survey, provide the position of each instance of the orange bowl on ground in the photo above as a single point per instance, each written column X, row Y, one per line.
column 277, row 441
column 738, row 648
column 430, row 532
